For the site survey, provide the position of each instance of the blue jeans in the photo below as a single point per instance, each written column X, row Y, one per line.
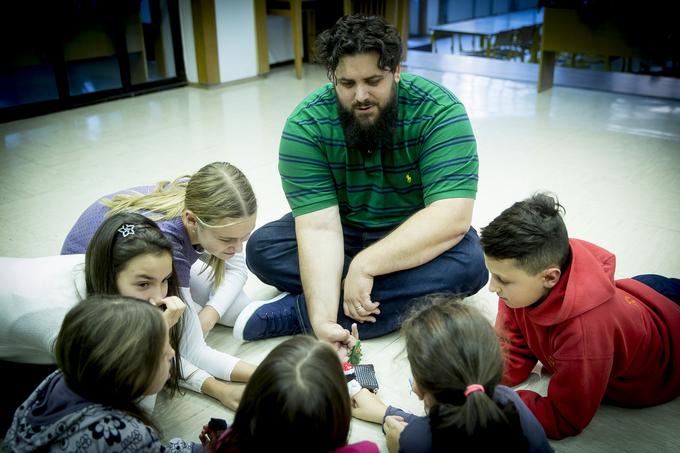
column 669, row 287
column 272, row 255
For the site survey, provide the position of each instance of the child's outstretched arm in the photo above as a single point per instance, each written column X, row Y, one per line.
column 235, row 276
column 367, row 406
column 577, row 385
column 518, row 358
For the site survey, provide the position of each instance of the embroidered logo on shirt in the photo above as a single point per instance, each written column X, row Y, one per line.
column 408, row 178
column 551, row 363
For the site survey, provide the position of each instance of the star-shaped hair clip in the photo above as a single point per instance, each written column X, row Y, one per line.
column 126, row 230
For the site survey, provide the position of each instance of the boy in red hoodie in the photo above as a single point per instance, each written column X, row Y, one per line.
column 602, row 339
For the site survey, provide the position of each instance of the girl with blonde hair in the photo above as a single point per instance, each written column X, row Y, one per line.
column 210, row 215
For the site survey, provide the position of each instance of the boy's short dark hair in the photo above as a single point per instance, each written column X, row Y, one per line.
column 531, row 232
column 359, row 34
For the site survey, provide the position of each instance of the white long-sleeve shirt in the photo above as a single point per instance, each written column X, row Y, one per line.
column 233, row 281
column 36, row 294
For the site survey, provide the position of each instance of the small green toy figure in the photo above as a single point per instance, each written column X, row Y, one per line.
column 355, row 354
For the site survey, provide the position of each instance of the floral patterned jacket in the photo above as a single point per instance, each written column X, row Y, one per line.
column 54, row 418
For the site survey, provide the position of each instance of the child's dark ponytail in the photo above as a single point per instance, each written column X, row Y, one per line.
column 453, row 350
column 479, row 424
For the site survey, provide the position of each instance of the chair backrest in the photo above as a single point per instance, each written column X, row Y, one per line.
column 526, row 36
column 504, row 38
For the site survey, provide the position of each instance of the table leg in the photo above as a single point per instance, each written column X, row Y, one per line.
column 296, row 16
column 546, row 71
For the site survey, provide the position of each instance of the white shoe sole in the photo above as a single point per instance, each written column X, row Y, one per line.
column 247, row 313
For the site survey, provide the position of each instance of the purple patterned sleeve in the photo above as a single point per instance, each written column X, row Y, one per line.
column 183, row 253
column 81, row 233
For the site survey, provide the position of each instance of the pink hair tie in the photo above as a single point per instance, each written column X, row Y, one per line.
column 473, row 388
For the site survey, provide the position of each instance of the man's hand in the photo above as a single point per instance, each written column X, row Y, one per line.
column 357, row 302
column 334, row 334
column 172, row 307
column 393, row 427
column 344, row 349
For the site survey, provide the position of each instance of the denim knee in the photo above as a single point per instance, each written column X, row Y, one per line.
column 669, row 287
column 254, row 248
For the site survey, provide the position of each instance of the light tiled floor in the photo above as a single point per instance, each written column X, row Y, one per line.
column 613, row 160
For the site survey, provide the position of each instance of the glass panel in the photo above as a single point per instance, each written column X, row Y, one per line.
column 27, row 84
column 26, row 72
column 52, row 50
column 149, row 43
column 90, row 57
column 93, row 74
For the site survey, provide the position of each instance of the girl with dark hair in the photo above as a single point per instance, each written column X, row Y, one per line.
column 106, row 270
column 209, row 213
column 297, row 400
column 111, row 351
column 128, row 255
column 456, row 364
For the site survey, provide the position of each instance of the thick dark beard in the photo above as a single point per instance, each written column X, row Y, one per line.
column 377, row 136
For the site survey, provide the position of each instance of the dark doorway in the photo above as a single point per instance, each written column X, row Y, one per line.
column 63, row 54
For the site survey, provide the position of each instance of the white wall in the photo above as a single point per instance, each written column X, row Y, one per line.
column 188, row 45
column 236, row 45
column 168, row 48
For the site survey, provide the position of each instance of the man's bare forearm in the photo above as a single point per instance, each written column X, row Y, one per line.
column 424, row 236
column 321, row 256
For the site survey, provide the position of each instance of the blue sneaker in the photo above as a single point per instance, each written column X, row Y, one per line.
column 267, row 319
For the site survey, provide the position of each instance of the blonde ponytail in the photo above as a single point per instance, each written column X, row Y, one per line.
column 216, row 192
column 164, row 203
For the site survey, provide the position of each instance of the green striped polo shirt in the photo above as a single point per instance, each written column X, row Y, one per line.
column 433, row 156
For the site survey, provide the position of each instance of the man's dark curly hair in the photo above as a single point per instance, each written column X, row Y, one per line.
column 359, row 34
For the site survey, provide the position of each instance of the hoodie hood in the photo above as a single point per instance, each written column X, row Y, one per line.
column 54, row 418
column 48, row 417
column 587, row 283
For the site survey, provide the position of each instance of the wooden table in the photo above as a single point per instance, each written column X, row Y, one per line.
column 563, row 31
column 486, row 27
